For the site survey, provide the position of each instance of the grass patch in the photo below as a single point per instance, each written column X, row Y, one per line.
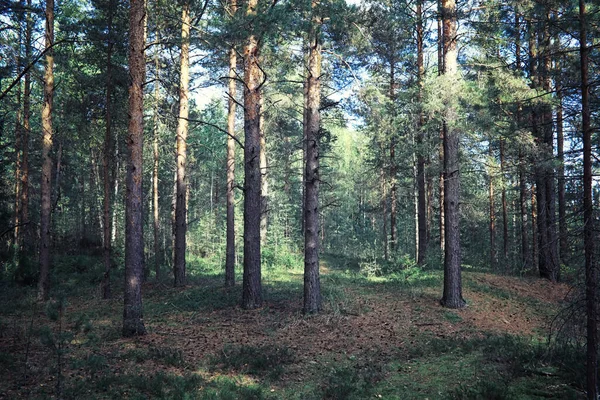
column 266, row 361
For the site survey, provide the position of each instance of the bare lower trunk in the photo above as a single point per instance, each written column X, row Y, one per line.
column 24, row 190
column 155, row 168
column 252, row 286
column 312, row 283
column 493, row 256
column 47, row 137
column 264, row 189
column 422, row 222
column 106, row 217
column 591, row 275
column 182, row 132
column 230, row 249
column 133, row 322
column 504, row 205
column 452, row 296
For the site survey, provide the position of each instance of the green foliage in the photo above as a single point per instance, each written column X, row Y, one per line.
column 267, row 360
column 352, row 382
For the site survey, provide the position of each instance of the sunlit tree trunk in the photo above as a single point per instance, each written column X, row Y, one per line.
column 182, row 133
column 18, row 133
column 591, row 275
column 560, row 141
column 440, row 54
column 25, row 133
column 47, row 137
column 156, row 163
column 133, row 322
column 452, row 296
column 252, row 286
column 264, row 190
column 504, row 204
column 230, row 246
column 108, row 148
column 421, row 178
column 312, row 283
column 493, row 256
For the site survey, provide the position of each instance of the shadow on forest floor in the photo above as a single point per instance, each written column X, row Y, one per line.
column 378, row 337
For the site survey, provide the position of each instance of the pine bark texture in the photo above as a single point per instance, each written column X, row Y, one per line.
column 133, row 322
column 155, row 167
column 47, row 137
column 230, row 246
column 312, row 282
column 452, row 297
column 252, row 286
column 591, row 274
column 182, row 133
column 107, row 178
column 421, row 178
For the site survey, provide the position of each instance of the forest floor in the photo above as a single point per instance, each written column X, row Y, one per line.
column 378, row 337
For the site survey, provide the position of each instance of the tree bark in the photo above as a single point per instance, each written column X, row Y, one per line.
column 560, row 141
column 252, row 286
column 440, row 54
column 108, row 147
column 133, row 323
column 312, row 283
column 591, row 275
column 24, row 190
column 452, row 297
column 156, row 164
column 47, row 137
column 493, row 255
column 504, row 205
column 421, row 179
column 182, row 133
column 264, row 189
column 230, row 246
column 393, row 168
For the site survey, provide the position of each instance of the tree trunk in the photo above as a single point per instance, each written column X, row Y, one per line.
column 452, row 296
column 182, row 133
column 393, row 168
column 504, row 205
column 384, row 214
column 156, row 164
column 18, row 134
column 442, row 133
column 560, row 140
column 133, row 323
column 230, row 246
column 252, row 286
column 24, row 201
column 47, row 137
column 108, row 147
column 421, row 179
column 493, row 256
column 312, row 283
column 264, row 190
column 591, row 275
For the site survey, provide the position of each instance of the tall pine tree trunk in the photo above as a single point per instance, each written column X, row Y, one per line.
column 440, row 54
column 264, row 189
column 230, row 246
column 182, row 133
column 25, row 133
column 108, row 147
column 156, row 162
column 452, row 296
column 421, row 179
column 252, row 286
column 492, row 227
column 504, row 205
column 47, row 137
column 591, row 275
column 312, row 283
column 133, row 322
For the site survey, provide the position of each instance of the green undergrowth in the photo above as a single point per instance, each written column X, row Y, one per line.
column 77, row 338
